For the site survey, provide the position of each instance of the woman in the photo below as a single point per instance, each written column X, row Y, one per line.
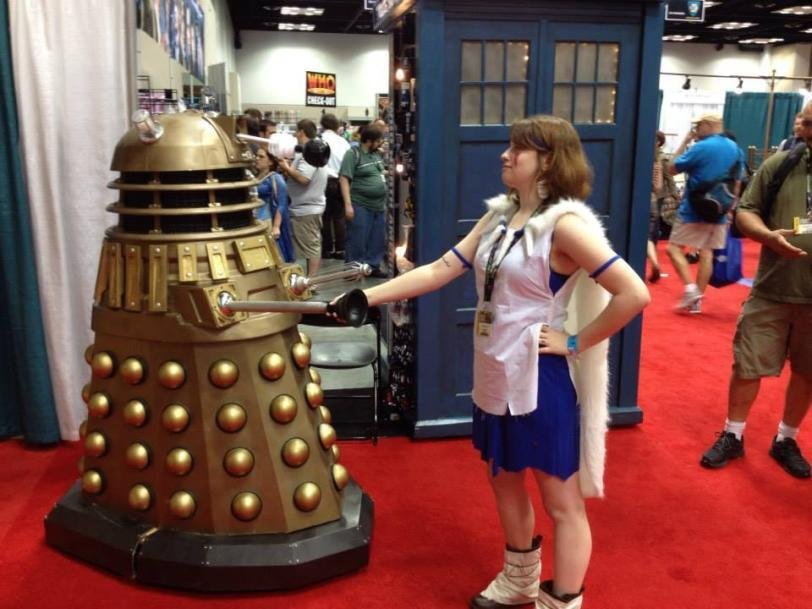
column 273, row 191
column 537, row 246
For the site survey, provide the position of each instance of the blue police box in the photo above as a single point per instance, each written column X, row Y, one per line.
column 480, row 65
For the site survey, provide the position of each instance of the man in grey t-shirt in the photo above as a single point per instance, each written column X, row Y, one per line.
column 306, row 186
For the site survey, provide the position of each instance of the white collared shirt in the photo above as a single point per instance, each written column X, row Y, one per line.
column 338, row 148
column 506, row 362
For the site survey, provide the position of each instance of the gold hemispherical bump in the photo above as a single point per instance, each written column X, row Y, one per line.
column 86, row 393
column 135, row 413
column 305, row 339
column 272, row 366
column 132, row 371
column 83, row 429
column 341, row 476
column 89, row 354
column 98, row 406
column 307, row 496
column 301, row 354
column 326, row 415
column 314, row 394
column 238, row 462
column 171, row 375
column 137, row 455
column 95, row 444
column 231, row 417
column 327, row 435
column 175, row 418
column 246, row 506
column 314, row 375
column 102, row 365
column 179, row 461
column 140, row 498
column 283, row 408
column 223, row 373
column 336, row 452
column 295, row 452
column 182, row 504
column 92, row 482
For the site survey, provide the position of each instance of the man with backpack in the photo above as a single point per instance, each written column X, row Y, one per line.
column 776, row 320
column 713, row 166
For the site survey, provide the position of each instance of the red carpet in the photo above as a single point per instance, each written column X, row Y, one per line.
column 669, row 535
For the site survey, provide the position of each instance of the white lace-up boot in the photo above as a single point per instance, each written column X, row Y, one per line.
column 548, row 600
column 517, row 583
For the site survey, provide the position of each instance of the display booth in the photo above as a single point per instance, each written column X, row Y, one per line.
column 469, row 69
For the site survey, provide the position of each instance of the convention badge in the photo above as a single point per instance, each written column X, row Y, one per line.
column 802, row 226
column 484, row 320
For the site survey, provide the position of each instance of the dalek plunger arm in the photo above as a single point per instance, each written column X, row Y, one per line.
column 350, row 308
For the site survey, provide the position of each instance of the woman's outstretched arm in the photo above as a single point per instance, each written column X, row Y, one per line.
column 429, row 277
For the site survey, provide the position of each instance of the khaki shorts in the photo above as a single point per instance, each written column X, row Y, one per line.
column 306, row 235
column 701, row 235
column 769, row 332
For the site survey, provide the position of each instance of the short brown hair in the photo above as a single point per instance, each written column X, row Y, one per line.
column 308, row 127
column 569, row 174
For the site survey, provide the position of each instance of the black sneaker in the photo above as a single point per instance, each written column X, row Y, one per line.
column 725, row 448
column 789, row 456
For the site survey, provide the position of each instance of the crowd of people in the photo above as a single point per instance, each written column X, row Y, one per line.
column 337, row 210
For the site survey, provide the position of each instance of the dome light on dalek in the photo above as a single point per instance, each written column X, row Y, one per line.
column 205, row 426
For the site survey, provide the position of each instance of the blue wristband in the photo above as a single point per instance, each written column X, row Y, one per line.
column 572, row 344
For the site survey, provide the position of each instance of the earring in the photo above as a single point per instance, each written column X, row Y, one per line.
column 542, row 190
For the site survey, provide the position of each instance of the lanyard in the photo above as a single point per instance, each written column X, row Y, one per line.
column 492, row 266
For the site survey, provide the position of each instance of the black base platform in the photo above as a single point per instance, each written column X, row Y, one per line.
column 213, row 563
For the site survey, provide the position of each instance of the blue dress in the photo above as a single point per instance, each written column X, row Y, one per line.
column 547, row 439
column 276, row 201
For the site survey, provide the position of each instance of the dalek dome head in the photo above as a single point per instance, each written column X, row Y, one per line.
column 183, row 174
column 185, row 141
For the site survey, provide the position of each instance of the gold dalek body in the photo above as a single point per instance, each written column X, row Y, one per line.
column 209, row 460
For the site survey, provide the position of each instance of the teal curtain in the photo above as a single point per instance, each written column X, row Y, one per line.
column 26, row 398
column 746, row 115
column 785, row 107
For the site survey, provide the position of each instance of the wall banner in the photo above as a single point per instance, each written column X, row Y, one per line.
column 320, row 89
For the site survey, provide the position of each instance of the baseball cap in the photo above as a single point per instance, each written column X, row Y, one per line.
column 708, row 117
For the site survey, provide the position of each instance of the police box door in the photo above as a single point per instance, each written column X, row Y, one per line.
column 495, row 73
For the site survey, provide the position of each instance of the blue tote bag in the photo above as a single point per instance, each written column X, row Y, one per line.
column 727, row 263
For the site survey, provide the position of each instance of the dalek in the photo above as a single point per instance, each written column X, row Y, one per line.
column 210, row 462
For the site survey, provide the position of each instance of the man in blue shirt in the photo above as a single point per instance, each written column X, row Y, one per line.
column 711, row 157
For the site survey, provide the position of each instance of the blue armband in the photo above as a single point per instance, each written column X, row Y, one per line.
column 465, row 263
column 604, row 266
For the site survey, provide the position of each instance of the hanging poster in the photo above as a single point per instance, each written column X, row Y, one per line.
column 320, row 89
column 177, row 25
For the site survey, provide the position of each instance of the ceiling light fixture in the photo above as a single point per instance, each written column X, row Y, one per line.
column 292, row 27
column 679, row 37
column 711, row 4
column 760, row 40
column 296, row 11
column 732, row 25
column 795, row 10
column 687, row 84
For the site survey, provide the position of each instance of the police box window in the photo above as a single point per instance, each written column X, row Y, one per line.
column 685, row 10
column 320, row 89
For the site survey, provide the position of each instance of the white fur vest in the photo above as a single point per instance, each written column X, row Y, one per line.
column 590, row 371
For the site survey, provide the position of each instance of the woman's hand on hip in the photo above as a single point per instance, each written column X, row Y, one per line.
column 552, row 342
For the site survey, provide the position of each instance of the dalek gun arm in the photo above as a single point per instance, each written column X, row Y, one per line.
column 351, row 307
